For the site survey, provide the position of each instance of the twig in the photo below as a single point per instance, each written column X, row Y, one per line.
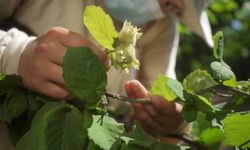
column 127, row 99
column 209, row 89
column 216, row 87
column 236, row 91
column 187, row 140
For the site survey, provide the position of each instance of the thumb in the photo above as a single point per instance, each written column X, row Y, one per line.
column 135, row 89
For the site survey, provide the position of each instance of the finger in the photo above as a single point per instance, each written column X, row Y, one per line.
column 100, row 53
column 135, row 89
column 144, row 118
column 155, row 132
column 53, row 51
column 54, row 74
column 152, row 111
column 161, row 118
column 164, row 106
column 66, row 37
column 57, row 54
column 72, row 39
column 166, row 113
column 96, row 50
column 53, row 90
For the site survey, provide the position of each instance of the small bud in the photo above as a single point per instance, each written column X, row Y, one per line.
column 124, row 55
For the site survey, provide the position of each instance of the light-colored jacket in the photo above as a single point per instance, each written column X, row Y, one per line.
column 157, row 48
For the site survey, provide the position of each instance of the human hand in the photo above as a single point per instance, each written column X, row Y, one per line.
column 159, row 118
column 40, row 65
column 175, row 6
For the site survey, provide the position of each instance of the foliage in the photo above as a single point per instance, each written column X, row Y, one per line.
column 232, row 17
column 100, row 26
column 83, row 123
column 119, row 47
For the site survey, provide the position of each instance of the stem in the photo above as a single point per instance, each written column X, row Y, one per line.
column 209, row 89
column 127, row 99
column 234, row 90
column 109, row 51
column 187, row 140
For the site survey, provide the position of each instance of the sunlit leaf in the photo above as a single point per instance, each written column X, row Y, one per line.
column 200, row 102
column 237, row 131
column 138, row 137
column 198, row 80
column 161, row 87
column 218, row 45
column 100, row 25
column 231, row 82
column 211, row 136
column 104, row 133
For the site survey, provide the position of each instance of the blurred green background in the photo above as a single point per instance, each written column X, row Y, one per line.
column 232, row 17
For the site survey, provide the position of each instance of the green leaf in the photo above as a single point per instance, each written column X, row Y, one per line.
column 88, row 119
column 218, row 45
column 100, row 25
column 33, row 103
column 198, row 80
column 200, row 102
column 221, row 71
column 57, row 126
column 106, row 132
column 14, row 104
column 231, row 82
column 160, row 87
column 199, row 125
column 84, row 74
column 244, row 86
column 93, row 146
column 189, row 112
column 8, row 82
column 236, row 129
column 177, row 87
column 211, row 136
column 139, row 137
column 166, row 88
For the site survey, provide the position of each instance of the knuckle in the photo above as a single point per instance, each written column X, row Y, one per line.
column 53, row 32
column 57, row 31
column 44, row 48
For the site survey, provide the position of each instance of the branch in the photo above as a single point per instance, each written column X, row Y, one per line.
column 209, row 89
column 127, row 99
column 185, row 138
column 236, row 91
column 216, row 87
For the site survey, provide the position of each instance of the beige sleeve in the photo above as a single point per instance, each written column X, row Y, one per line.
column 157, row 50
column 8, row 7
